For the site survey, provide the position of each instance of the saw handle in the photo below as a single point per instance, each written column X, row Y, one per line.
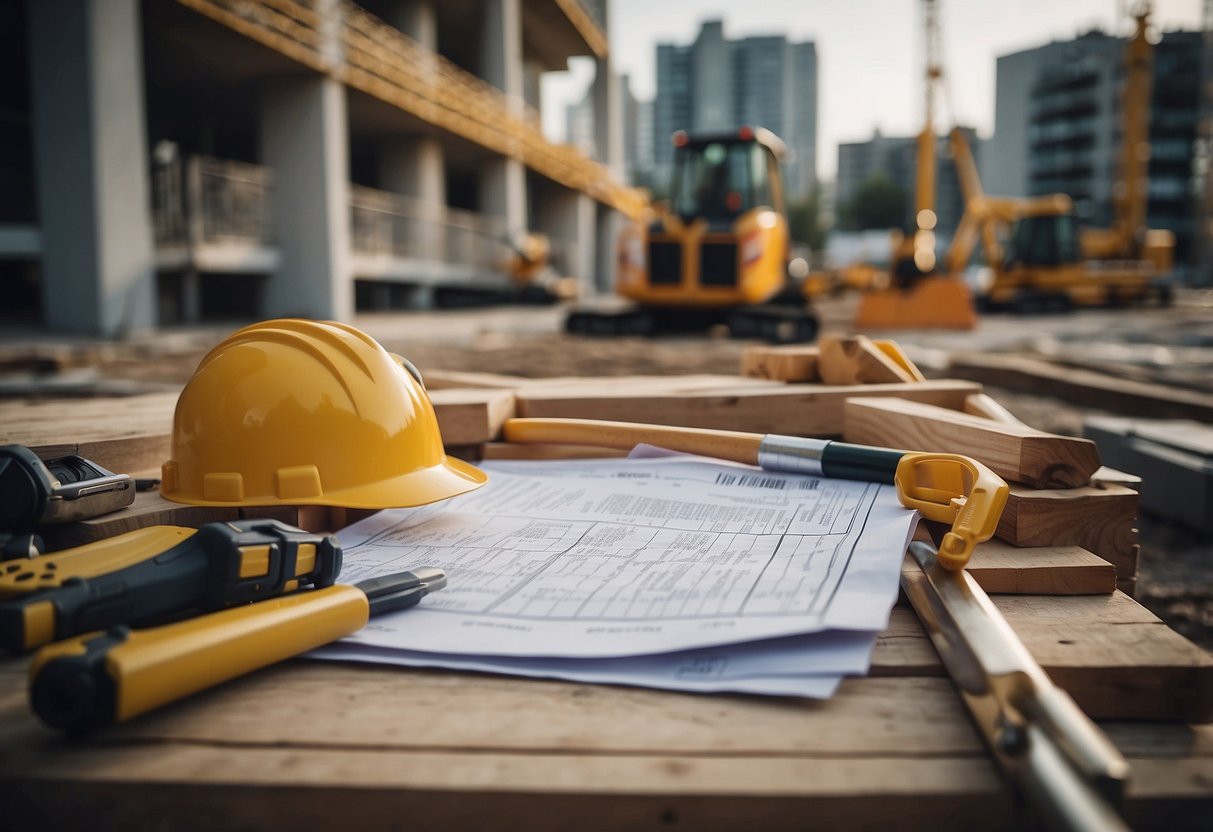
column 954, row 489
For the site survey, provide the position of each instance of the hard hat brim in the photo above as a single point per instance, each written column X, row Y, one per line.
column 450, row 478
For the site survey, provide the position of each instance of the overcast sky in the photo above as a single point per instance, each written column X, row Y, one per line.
column 869, row 52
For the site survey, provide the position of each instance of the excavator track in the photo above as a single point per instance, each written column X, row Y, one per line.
column 770, row 322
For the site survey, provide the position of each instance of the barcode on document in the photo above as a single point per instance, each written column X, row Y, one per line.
column 759, row 481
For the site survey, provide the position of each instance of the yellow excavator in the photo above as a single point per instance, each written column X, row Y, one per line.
column 1037, row 258
column 916, row 293
column 717, row 253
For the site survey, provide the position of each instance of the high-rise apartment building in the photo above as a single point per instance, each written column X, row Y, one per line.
column 176, row 160
column 1058, row 124
column 717, row 85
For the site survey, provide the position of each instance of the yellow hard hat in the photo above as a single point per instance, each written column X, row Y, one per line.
column 296, row 412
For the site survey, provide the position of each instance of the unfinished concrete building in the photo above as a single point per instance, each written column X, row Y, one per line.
column 184, row 160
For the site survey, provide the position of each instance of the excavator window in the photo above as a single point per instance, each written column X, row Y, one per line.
column 719, row 180
column 1048, row 240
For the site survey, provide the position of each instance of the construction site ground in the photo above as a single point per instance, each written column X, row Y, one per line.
column 1172, row 346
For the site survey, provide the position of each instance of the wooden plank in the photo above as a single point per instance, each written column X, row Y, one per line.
column 1015, row 452
column 985, row 406
column 123, row 434
column 541, row 751
column 470, row 416
column 1111, row 476
column 255, row 789
column 450, row 379
column 132, row 434
column 791, row 363
column 1100, row 520
column 855, row 359
column 804, row 410
column 514, row 450
column 1047, row 570
column 1117, row 394
column 454, row 379
column 608, row 719
column 1113, row 656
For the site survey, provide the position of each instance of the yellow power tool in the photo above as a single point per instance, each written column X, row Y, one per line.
column 112, row 676
column 156, row 573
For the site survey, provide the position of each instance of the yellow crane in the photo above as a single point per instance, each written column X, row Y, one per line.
column 1036, row 255
column 917, row 293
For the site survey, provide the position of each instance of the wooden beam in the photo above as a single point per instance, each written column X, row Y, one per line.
column 1046, row 570
column 791, row 363
column 985, row 406
column 856, row 360
column 132, row 434
column 804, row 410
column 472, row 416
column 514, row 450
column 127, row 435
column 1015, row 452
column 1114, row 657
column 1100, row 520
column 446, row 379
column 1123, row 396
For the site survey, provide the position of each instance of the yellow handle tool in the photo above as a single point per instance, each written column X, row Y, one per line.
column 947, row 488
column 114, row 675
column 159, row 573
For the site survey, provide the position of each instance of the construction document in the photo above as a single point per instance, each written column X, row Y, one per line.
column 809, row 666
column 590, row 559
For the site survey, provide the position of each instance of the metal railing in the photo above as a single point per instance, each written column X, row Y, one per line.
column 385, row 224
column 204, row 200
column 358, row 49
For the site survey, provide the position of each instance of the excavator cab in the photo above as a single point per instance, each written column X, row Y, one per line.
column 719, row 179
column 1044, row 240
column 723, row 241
column 717, row 253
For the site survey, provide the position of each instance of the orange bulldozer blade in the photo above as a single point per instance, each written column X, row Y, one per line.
column 931, row 303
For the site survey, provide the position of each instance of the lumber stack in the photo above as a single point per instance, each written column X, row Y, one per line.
column 548, row 753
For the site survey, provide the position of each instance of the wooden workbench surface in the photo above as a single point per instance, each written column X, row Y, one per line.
column 342, row 746
column 335, row 745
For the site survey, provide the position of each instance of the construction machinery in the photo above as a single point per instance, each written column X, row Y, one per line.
column 717, row 253
column 1037, row 257
column 915, row 292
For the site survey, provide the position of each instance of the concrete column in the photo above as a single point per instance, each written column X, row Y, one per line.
column 304, row 138
column 416, row 167
column 586, row 268
column 503, row 179
column 532, row 84
column 568, row 218
column 608, row 224
column 91, row 165
column 608, row 139
column 608, row 117
column 415, row 18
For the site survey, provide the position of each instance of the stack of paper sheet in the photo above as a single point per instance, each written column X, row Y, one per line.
column 677, row 573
